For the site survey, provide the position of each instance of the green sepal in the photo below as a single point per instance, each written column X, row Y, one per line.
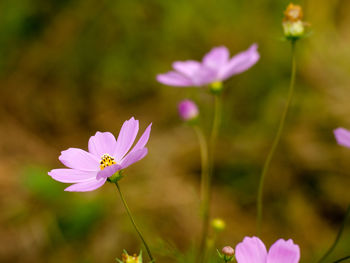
column 115, row 177
column 216, row 87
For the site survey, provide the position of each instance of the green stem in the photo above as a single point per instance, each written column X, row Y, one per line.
column 203, row 146
column 275, row 143
column 207, row 184
column 342, row 259
column 340, row 232
column 133, row 222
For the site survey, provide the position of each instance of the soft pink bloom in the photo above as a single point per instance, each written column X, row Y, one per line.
column 188, row 110
column 216, row 66
column 106, row 156
column 342, row 136
column 253, row 250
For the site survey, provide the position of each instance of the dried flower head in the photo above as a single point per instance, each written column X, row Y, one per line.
column 293, row 13
column 126, row 258
column 293, row 25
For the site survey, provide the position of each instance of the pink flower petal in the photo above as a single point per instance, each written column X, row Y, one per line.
column 126, row 138
column 79, row 159
column 251, row 250
column 173, row 78
column 133, row 157
column 143, row 139
column 283, row 252
column 216, row 58
column 71, row 175
column 342, row 136
column 86, row 186
column 102, row 143
column 241, row 62
column 108, row 171
column 187, row 68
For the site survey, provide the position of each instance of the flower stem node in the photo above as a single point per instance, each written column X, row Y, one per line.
column 126, row 258
column 227, row 254
column 216, row 87
column 218, row 224
column 115, row 177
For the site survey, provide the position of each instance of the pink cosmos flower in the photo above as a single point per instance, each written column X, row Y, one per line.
column 252, row 249
column 106, row 156
column 342, row 136
column 216, row 66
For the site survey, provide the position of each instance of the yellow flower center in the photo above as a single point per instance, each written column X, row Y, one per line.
column 106, row 160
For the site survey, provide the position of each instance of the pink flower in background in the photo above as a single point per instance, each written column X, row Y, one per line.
column 216, row 66
column 188, row 110
column 106, row 156
column 253, row 250
column 342, row 136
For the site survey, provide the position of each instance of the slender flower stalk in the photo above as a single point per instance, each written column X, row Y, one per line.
column 275, row 142
column 133, row 222
column 340, row 232
column 342, row 259
column 207, row 180
column 203, row 146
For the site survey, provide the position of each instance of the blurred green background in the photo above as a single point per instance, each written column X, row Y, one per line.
column 69, row 68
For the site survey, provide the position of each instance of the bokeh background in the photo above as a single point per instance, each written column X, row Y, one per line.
column 69, row 68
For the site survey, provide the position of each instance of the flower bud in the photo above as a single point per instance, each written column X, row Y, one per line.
column 218, row 224
column 126, row 258
column 188, row 110
column 228, row 251
column 293, row 26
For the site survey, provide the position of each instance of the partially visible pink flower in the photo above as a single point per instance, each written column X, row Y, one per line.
column 342, row 136
column 106, row 156
column 252, row 249
column 216, row 66
column 188, row 110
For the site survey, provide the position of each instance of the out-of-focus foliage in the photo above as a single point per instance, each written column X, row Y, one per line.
column 71, row 67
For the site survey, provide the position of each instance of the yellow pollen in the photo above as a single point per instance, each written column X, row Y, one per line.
column 106, row 160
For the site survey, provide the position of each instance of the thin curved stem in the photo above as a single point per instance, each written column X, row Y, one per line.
column 340, row 232
column 207, row 184
column 275, row 143
column 133, row 223
column 342, row 259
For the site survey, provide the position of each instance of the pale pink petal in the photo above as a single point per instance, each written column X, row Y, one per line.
column 79, row 159
column 108, row 171
column 143, row 139
column 86, row 186
column 216, row 58
column 283, row 252
column 173, row 78
column 204, row 76
column 126, row 138
column 342, row 136
column 133, row 157
column 71, row 175
column 102, row 143
column 241, row 62
column 251, row 250
column 187, row 68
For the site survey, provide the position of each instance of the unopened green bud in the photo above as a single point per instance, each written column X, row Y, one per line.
column 218, row 224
